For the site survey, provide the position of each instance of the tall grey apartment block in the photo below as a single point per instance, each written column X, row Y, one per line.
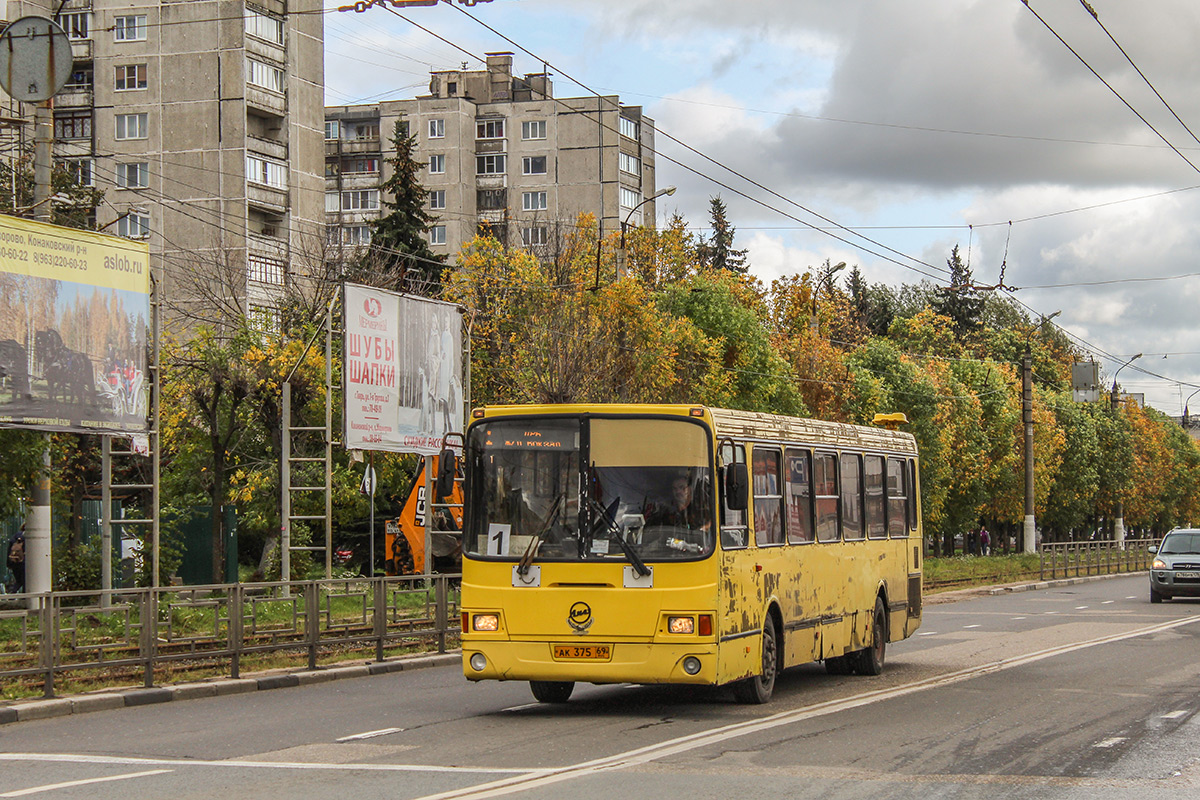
column 201, row 121
column 499, row 152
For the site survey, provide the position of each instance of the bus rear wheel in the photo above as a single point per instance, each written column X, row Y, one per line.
column 552, row 691
column 870, row 660
column 758, row 690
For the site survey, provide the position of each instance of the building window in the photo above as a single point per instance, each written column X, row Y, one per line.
column 76, row 24
column 630, row 164
column 265, row 319
column 133, row 126
column 134, row 226
column 491, row 199
column 129, row 28
column 73, row 125
column 333, row 202
column 534, row 201
column 437, row 199
column 437, row 129
column 364, row 200
column 133, row 176
column 489, row 129
column 333, row 130
column 264, row 76
column 437, row 234
column 80, row 81
column 131, row 76
column 630, row 198
column 437, row 164
column 532, row 237
column 495, row 164
column 356, row 235
column 260, row 170
column 360, row 166
column 629, row 128
column 534, row 129
column 533, row 165
column 264, row 269
column 452, row 88
column 264, row 27
column 80, row 170
column 366, row 130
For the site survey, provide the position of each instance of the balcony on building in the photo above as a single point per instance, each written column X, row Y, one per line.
column 266, row 100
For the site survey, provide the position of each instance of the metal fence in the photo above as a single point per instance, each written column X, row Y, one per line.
column 1106, row 557
column 141, row 636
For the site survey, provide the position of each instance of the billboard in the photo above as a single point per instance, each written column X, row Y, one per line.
column 74, row 314
column 403, row 372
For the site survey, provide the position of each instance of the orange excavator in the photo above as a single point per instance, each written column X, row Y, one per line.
column 405, row 536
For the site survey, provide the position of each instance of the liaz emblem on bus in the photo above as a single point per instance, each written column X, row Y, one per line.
column 580, row 617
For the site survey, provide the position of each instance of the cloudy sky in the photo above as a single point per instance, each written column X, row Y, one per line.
column 911, row 125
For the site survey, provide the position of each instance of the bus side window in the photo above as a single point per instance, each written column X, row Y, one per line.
column 733, row 521
column 876, row 497
column 799, row 496
column 912, row 494
column 768, row 497
column 897, row 498
column 852, row 496
column 825, row 473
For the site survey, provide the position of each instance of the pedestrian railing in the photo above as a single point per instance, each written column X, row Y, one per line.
column 1106, row 557
column 149, row 636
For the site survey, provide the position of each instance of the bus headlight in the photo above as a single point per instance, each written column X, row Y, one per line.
column 478, row 662
column 691, row 665
column 681, row 625
column 485, row 622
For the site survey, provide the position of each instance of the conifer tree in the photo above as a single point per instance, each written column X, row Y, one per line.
column 401, row 237
column 717, row 252
column 959, row 301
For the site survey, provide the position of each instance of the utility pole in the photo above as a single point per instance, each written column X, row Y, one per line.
column 1119, row 524
column 1029, row 540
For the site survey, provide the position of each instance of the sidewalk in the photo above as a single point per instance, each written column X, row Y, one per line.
column 1026, row 586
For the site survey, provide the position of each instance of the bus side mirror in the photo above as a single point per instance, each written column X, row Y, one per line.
column 737, row 487
column 447, row 467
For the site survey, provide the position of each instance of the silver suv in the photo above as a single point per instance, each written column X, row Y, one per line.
column 1176, row 568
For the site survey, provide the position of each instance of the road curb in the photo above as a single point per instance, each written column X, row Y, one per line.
column 1011, row 588
column 28, row 710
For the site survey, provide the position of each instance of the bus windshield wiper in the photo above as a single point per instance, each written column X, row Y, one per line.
column 536, row 541
column 606, row 523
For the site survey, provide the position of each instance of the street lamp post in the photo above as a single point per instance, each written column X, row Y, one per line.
column 1029, row 541
column 1119, row 523
column 670, row 190
column 1183, row 419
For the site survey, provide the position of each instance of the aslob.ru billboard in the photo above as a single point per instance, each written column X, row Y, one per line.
column 403, row 371
column 74, row 312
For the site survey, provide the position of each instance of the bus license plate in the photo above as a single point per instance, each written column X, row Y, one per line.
column 584, row 652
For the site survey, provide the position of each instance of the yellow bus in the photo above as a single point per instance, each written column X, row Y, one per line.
column 683, row 544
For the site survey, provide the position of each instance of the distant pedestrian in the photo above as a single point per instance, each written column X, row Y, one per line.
column 16, row 560
column 985, row 540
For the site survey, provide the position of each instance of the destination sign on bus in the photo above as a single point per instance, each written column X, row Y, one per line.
column 516, row 439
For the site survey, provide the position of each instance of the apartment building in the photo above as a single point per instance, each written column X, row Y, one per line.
column 201, row 121
column 500, row 151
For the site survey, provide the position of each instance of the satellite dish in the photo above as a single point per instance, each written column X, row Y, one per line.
column 35, row 59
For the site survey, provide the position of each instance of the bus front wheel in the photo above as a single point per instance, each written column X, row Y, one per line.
column 758, row 690
column 552, row 691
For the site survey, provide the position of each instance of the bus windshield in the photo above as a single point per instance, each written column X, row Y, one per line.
column 583, row 489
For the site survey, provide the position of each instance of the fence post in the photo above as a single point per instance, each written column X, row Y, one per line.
column 312, row 613
column 236, row 632
column 440, row 612
column 46, row 619
column 149, row 616
column 379, row 617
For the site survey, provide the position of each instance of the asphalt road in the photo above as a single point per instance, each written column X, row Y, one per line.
column 1083, row 691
